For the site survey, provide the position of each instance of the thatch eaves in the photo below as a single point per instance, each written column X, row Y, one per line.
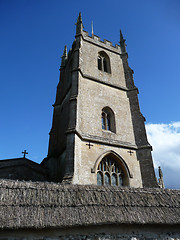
column 43, row 204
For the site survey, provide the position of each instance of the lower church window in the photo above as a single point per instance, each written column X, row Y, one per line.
column 109, row 172
column 114, row 180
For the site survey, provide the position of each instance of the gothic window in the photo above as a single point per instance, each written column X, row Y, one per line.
column 103, row 120
column 108, row 119
column 103, row 62
column 105, row 65
column 100, row 178
column 99, row 63
column 110, row 172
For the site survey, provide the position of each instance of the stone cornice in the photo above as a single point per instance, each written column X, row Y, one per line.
column 102, row 140
column 106, row 141
column 102, row 82
column 145, row 147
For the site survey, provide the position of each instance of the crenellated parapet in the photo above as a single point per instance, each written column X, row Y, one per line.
column 97, row 41
column 93, row 39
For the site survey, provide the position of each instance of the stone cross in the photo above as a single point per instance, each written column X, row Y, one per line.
column 130, row 152
column 25, row 153
column 89, row 145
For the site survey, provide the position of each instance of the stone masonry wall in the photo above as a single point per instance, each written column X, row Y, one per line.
column 92, row 98
column 96, row 233
column 85, row 159
column 96, row 90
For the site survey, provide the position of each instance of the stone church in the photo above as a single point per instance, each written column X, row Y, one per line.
column 98, row 179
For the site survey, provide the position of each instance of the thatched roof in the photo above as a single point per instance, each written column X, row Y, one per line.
column 42, row 204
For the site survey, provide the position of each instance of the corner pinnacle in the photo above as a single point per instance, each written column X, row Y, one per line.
column 65, row 51
column 79, row 20
column 122, row 43
column 64, row 57
column 79, row 25
column 121, row 37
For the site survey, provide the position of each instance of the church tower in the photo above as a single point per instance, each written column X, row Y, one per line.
column 98, row 134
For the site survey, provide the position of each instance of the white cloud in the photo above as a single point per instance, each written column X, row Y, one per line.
column 165, row 140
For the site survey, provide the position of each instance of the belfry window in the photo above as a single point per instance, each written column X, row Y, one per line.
column 99, row 63
column 109, row 172
column 103, row 62
column 108, row 119
column 105, row 65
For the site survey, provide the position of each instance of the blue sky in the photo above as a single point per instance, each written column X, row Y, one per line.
column 33, row 35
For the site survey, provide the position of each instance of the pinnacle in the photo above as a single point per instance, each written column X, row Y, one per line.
column 79, row 20
column 79, row 25
column 65, row 51
column 121, row 37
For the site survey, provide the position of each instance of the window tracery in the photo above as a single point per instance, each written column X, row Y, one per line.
column 103, row 62
column 109, row 172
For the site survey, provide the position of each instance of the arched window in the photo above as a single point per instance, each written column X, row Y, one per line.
column 110, row 172
column 108, row 119
column 99, row 178
column 99, row 63
column 103, row 62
